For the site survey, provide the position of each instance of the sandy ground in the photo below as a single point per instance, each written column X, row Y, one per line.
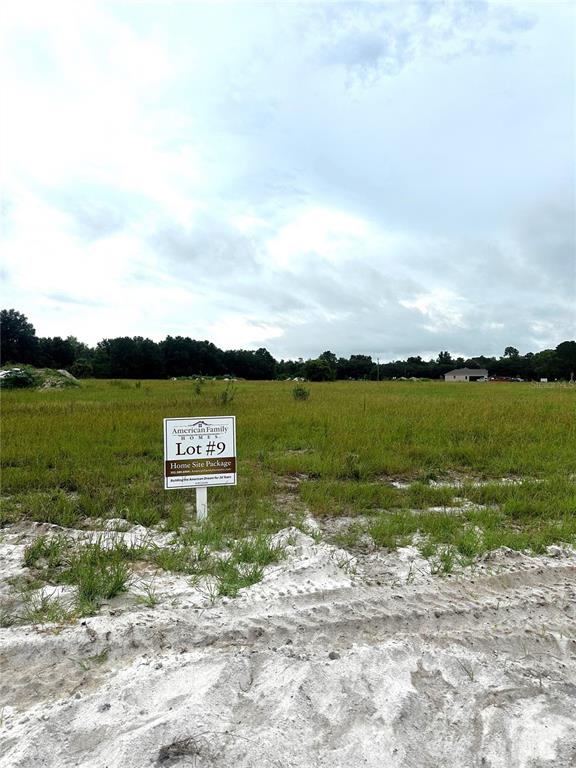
column 330, row 661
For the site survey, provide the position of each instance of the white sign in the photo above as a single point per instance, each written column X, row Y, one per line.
column 199, row 451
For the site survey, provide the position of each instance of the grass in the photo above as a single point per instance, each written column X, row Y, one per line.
column 232, row 577
column 99, row 574
column 51, row 550
column 149, row 596
column 99, row 570
column 203, row 551
column 258, row 550
column 41, row 608
column 530, row 516
column 76, row 457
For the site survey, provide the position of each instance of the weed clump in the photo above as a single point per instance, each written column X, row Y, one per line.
column 99, row 574
column 352, row 467
column 227, row 395
column 50, row 550
column 300, row 393
column 41, row 608
column 201, row 552
column 182, row 748
column 258, row 550
column 232, row 578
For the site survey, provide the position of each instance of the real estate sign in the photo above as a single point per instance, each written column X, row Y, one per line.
column 199, row 451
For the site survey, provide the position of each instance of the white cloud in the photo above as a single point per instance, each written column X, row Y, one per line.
column 327, row 233
column 236, row 331
column 443, row 310
column 381, row 178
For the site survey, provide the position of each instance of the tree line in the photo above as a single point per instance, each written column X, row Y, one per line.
column 137, row 357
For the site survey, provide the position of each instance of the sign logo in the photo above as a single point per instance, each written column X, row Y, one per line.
column 199, row 451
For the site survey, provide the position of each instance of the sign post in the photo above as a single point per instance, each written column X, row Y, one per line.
column 201, row 503
column 200, row 451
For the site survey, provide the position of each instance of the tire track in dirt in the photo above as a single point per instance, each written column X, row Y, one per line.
column 492, row 611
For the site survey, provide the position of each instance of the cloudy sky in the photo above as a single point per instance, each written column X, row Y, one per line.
column 382, row 178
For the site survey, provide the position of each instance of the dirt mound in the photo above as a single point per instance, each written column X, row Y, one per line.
column 28, row 377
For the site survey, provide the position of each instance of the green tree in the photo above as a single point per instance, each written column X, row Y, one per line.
column 331, row 359
column 56, row 352
column 361, row 366
column 18, row 342
column 82, row 368
column 566, row 354
column 356, row 367
column 318, row 370
column 176, row 358
column 266, row 364
column 247, row 364
column 289, row 369
column 547, row 364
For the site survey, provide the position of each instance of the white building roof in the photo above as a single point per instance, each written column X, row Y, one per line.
column 467, row 372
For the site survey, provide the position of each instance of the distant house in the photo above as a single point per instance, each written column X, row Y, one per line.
column 466, row 374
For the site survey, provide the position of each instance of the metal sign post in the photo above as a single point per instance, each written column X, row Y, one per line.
column 200, row 451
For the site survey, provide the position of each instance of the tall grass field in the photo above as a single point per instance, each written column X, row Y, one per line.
column 456, row 469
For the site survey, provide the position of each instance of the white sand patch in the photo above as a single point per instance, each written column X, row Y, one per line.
column 329, row 662
column 475, row 483
column 532, row 728
column 11, row 564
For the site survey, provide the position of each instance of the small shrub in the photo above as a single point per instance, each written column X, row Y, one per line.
column 227, row 396
column 352, row 467
column 300, row 393
column 82, row 369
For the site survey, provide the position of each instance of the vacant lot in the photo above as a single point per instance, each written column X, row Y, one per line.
column 405, row 547
column 354, row 449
